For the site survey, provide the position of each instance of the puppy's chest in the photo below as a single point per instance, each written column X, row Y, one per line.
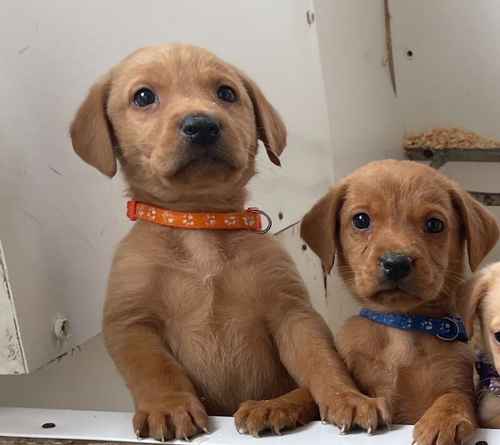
column 208, row 293
column 406, row 367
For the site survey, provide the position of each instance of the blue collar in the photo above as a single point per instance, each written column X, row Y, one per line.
column 450, row 328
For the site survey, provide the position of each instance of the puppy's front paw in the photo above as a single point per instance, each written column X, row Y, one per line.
column 176, row 415
column 254, row 417
column 349, row 409
column 442, row 428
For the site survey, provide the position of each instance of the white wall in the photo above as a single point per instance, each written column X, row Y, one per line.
column 452, row 79
column 364, row 119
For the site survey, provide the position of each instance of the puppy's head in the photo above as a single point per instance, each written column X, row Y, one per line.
column 480, row 297
column 398, row 229
column 180, row 120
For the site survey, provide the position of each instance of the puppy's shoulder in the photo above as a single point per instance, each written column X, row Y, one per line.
column 358, row 333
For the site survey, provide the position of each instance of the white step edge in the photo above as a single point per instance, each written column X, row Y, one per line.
column 116, row 426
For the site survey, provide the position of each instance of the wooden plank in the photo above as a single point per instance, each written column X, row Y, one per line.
column 27, row 441
column 440, row 156
column 437, row 155
column 488, row 199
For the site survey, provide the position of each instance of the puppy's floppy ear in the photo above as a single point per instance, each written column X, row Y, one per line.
column 481, row 228
column 91, row 132
column 270, row 127
column 470, row 296
column 319, row 226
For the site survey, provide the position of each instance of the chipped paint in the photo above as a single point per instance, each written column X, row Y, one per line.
column 12, row 359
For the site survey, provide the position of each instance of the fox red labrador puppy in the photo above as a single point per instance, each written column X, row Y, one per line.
column 398, row 230
column 201, row 322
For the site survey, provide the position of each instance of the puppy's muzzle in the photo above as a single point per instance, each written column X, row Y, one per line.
column 200, row 129
column 395, row 266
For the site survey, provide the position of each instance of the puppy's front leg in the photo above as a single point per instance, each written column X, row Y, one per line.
column 165, row 400
column 451, row 420
column 307, row 350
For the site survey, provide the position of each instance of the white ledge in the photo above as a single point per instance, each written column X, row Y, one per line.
column 115, row 426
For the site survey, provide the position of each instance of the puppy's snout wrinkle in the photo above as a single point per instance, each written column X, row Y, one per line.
column 201, row 129
column 395, row 266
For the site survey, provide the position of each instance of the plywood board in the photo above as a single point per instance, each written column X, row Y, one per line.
column 11, row 351
column 93, row 426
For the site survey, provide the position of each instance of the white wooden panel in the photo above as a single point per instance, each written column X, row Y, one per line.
column 309, row 267
column 11, row 353
column 60, row 218
column 111, row 426
column 364, row 119
column 451, row 79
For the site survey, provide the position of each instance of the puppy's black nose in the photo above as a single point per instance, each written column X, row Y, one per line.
column 395, row 266
column 200, row 129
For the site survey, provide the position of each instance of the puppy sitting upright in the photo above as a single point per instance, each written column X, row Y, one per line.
column 200, row 317
column 398, row 230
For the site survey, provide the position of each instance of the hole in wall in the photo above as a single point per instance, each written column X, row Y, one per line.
column 409, row 54
column 280, row 216
column 48, row 425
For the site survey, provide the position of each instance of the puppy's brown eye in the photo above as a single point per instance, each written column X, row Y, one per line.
column 144, row 97
column 434, row 225
column 227, row 94
column 497, row 336
column 361, row 221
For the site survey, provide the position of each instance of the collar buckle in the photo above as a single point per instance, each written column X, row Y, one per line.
column 265, row 215
column 456, row 333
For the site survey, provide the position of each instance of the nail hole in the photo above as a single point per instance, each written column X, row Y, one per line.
column 409, row 53
column 280, row 215
column 48, row 425
column 304, row 247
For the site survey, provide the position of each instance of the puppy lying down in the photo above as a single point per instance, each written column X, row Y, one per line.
column 197, row 320
column 482, row 297
column 398, row 230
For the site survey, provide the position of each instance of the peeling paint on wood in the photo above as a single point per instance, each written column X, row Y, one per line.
column 12, row 359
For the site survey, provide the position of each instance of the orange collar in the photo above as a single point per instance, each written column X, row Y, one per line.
column 250, row 219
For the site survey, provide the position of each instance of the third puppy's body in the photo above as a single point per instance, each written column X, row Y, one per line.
column 398, row 230
column 481, row 296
